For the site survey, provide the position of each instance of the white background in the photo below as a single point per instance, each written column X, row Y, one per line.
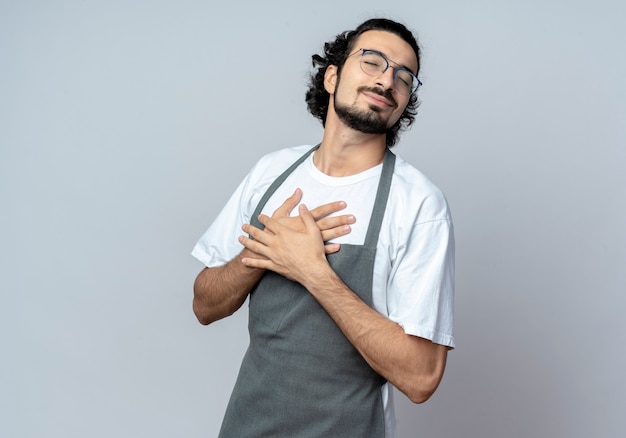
column 125, row 126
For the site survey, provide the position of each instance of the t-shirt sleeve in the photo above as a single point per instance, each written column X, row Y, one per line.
column 219, row 244
column 421, row 284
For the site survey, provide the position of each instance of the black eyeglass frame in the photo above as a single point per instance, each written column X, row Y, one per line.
column 415, row 84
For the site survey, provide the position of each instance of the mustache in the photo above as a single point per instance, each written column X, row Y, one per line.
column 376, row 90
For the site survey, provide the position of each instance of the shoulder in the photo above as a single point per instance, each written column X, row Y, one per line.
column 265, row 171
column 271, row 165
column 416, row 195
column 285, row 156
column 278, row 161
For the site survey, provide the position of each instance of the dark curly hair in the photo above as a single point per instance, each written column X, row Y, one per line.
column 336, row 53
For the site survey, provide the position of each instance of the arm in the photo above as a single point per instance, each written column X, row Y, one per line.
column 414, row 365
column 222, row 290
column 218, row 292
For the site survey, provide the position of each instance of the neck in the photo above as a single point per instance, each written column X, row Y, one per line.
column 346, row 152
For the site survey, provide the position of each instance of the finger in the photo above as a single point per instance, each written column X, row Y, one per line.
column 256, row 233
column 290, row 203
column 256, row 263
column 307, row 218
column 333, row 233
column 247, row 252
column 335, row 221
column 271, row 225
column 326, row 209
column 254, row 246
column 331, row 248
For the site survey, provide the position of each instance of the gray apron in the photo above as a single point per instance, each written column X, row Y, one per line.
column 300, row 376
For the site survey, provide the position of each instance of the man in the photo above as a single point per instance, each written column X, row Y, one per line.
column 355, row 294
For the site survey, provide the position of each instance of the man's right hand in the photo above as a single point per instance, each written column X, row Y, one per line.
column 330, row 227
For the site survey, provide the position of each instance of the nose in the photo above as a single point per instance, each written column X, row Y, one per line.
column 386, row 78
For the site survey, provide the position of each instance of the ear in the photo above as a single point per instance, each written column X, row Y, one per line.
column 330, row 79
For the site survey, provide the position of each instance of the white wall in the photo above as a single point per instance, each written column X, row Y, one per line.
column 125, row 125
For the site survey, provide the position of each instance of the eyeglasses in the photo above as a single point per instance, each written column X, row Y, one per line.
column 375, row 63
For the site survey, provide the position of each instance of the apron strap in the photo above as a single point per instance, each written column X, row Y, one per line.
column 380, row 204
column 272, row 188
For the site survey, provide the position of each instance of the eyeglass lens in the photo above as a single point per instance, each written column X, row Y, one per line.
column 374, row 63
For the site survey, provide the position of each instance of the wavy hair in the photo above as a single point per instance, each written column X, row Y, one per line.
column 336, row 53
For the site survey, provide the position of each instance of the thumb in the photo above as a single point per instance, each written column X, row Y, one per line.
column 290, row 203
column 307, row 217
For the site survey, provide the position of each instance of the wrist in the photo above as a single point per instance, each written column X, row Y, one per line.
column 319, row 277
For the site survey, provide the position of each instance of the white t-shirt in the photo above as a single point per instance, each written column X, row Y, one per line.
column 413, row 283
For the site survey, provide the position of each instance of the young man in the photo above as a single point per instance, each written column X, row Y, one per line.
column 355, row 294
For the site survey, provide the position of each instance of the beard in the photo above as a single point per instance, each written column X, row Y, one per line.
column 365, row 121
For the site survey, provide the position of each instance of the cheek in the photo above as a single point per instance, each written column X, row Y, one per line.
column 398, row 113
column 402, row 104
column 342, row 91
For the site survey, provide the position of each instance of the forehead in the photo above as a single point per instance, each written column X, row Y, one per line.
column 390, row 44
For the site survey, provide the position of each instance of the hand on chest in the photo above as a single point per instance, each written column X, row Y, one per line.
column 358, row 191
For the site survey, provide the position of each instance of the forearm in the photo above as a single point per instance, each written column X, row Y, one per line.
column 414, row 365
column 220, row 291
